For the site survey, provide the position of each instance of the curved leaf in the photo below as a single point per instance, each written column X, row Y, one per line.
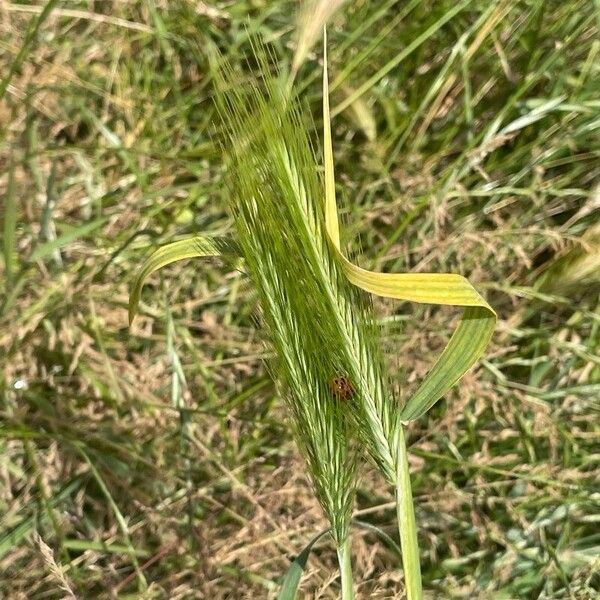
column 478, row 321
column 387, row 539
column 196, row 246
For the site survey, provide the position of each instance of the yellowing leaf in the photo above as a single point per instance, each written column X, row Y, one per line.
column 478, row 320
column 192, row 247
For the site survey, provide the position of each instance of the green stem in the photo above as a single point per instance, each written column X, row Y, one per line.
column 406, row 523
column 343, row 552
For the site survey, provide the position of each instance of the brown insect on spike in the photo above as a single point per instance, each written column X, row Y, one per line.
column 341, row 388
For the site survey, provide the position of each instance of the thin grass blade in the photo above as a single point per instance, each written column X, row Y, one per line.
column 121, row 522
column 66, row 238
column 9, row 226
column 392, row 64
column 388, row 540
column 30, row 38
column 26, row 526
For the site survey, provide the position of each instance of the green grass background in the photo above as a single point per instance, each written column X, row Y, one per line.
column 156, row 462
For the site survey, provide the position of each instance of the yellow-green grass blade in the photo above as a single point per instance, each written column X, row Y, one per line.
column 191, row 247
column 478, row 320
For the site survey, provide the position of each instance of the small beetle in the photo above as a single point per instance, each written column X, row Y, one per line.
column 341, row 388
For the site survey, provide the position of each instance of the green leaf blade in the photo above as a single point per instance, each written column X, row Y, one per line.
column 466, row 346
column 291, row 579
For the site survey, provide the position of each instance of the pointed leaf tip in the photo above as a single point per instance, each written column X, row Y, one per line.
column 291, row 579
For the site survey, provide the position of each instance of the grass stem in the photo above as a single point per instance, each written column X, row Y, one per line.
column 406, row 523
column 344, row 556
